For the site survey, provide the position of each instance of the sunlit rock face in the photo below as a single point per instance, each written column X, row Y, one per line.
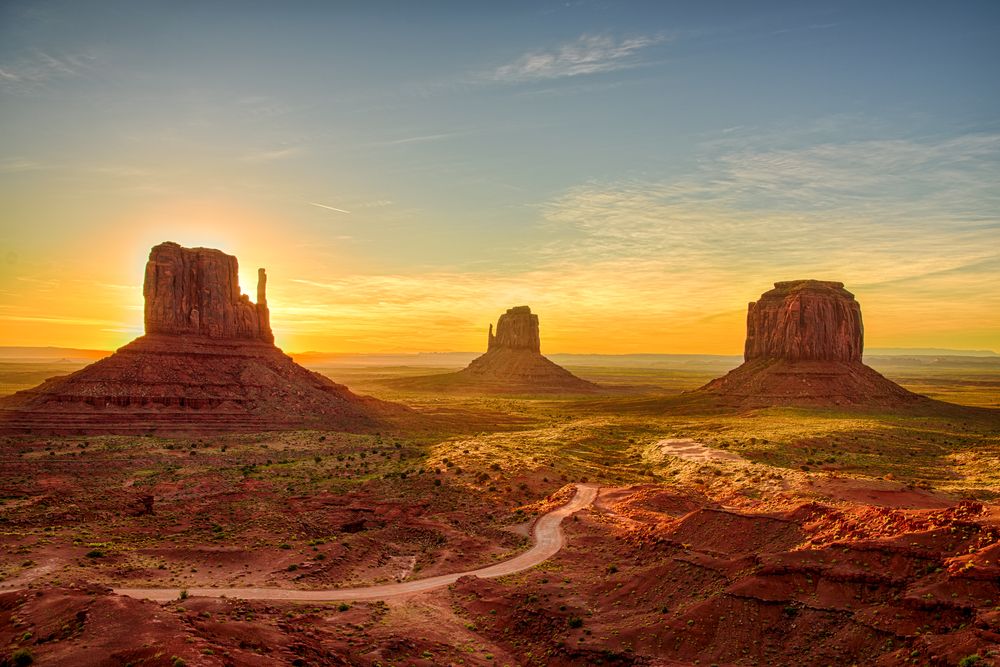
column 197, row 291
column 805, row 320
column 803, row 347
column 517, row 329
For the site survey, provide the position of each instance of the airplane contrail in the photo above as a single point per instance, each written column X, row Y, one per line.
column 332, row 208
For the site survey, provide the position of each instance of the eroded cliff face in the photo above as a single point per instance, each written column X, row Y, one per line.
column 803, row 347
column 196, row 291
column 517, row 329
column 805, row 320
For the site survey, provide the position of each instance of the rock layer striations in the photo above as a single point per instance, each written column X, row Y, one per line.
column 804, row 345
column 517, row 329
column 207, row 363
column 197, row 291
column 805, row 320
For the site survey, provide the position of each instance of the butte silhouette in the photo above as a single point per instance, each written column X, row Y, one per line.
column 206, row 363
column 804, row 344
column 513, row 364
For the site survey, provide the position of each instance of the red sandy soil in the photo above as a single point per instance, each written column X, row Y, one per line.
column 657, row 576
column 650, row 575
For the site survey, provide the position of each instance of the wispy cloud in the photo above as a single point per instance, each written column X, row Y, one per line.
column 273, row 155
column 329, row 208
column 423, row 138
column 39, row 67
column 911, row 223
column 15, row 165
column 588, row 54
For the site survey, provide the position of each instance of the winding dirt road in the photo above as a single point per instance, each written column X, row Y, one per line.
column 548, row 540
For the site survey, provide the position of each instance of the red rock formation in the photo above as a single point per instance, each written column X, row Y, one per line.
column 207, row 363
column 513, row 364
column 197, row 291
column 803, row 347
column 803, row 320
column 517, row 329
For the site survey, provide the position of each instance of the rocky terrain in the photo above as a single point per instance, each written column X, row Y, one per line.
column 513, row 364
column 804, row 344
column 207, row 363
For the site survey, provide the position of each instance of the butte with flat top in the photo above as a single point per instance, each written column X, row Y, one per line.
column 804, row 344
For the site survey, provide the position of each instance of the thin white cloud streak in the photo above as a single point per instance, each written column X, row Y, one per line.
column 40, row 67
column 329, row 208
column 588, row 54
column 273, row 155
column 422, row 139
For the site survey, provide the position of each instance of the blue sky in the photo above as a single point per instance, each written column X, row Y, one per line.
column 652, row 163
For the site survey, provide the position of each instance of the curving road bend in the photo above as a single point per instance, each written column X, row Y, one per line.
column 548, row 541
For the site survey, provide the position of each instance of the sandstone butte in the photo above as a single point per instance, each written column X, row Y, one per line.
column 513, row 362
column 207, row 362
column 804, row 346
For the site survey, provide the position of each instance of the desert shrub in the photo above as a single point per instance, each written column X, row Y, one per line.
column 22, row 657
column 343, row 606
column 95, row 553
column 184, row 594
column 575, row 622
column 969, row 660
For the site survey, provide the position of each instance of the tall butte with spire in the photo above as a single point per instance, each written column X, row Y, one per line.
column 207, row 362
column 804, row 346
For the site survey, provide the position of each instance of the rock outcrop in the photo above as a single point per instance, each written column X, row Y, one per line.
column 517, row 329
column 804, row 344
column 513, row 364
column 805, row 320
column 207, row 363
column 197, row 291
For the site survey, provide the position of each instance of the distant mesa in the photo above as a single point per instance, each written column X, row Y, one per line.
column 804, row 345
column 513, row 364
column 207, row 363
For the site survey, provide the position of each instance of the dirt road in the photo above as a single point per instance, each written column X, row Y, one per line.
column 548, row 540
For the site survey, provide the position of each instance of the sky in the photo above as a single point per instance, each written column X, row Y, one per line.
column 635, row 172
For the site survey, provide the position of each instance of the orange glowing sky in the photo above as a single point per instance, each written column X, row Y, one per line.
column 635, row 177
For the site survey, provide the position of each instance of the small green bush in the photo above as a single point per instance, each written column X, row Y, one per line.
column 575, row 622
